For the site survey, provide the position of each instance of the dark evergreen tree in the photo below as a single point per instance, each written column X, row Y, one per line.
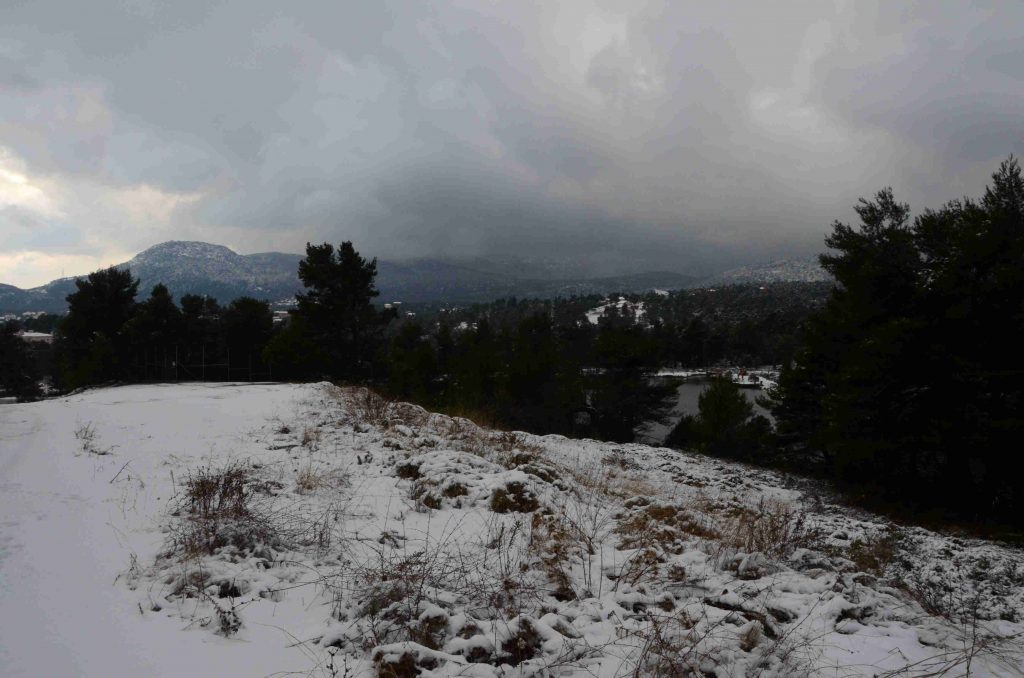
column 477, row 366
column 725, row 424
column 412, row 365
column 543, row 388
column 18, row 374
column 910, row 379
column 338, row 308
column 293, row 354
column 154, row 331
column 248, row 326
column 621, row 393
column 92, row 345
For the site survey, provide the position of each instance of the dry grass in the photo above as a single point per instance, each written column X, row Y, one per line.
column 312, row 478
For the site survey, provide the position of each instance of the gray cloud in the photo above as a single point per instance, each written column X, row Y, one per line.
column 637, row 135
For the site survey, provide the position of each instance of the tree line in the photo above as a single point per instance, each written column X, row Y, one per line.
column 537, row 365
column 909, row 384
column 901, row 380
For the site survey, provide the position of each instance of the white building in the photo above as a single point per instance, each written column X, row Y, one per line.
column 36, row 337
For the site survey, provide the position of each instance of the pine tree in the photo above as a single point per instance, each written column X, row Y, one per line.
column 412, row 364
column 18, row 373
column 92, row 345
column 338, row 308
column 910, row 379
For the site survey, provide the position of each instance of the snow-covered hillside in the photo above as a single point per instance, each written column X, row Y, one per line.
column 623, row 306
column 255, row 530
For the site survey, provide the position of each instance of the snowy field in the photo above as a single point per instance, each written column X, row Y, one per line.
column 258, row 530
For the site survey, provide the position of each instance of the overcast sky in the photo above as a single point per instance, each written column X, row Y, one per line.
column 636, row 135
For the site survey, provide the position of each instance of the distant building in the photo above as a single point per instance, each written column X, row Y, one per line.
column 36, row 337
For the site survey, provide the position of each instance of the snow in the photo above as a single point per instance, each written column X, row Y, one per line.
column 623, row 305
column 395, row 552
column 761, row 377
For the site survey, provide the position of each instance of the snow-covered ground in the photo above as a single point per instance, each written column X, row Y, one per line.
column 255, row 530
column 761, row 377
column 622, row 305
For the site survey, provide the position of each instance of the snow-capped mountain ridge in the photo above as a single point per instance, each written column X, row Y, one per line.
column 191, row 267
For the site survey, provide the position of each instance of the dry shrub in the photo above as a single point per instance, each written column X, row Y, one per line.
column 369, row 407
column 514, row 497
column 554, row 546
column 86, row 436
column 593, row 477
column 751, row 637
column 366, row 406
column 524, row 643
column 668, row 648
column 513, row 449
column 393, row 589
column 403, row 666
column 772, row 527
column 426, row 495
column 874, row 553
column 311, row 437
column 408, row 470
column 221, row 507
column 480, row 418
column 665, row 526
column 619, row 459
column 635, row 487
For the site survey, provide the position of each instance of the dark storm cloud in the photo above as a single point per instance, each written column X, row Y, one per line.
column 654, row 134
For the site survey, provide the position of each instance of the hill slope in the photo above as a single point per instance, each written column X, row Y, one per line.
column 789, row 270
column 342, row 530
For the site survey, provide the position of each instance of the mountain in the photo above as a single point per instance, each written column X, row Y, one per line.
column 217, row 271
column 806, row 269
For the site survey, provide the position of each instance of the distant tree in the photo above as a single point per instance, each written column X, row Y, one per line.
column 18, row 373
column 92, row 345
column 412, row 364
column 248, row 326
column 293, row 354
column 154, row 332
column 46, row 323
column 725, row 424
column 543, row 387
column 477, row 365
column 338, row 309
column 200, row 316
column 621, row 393
column 157, row 321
